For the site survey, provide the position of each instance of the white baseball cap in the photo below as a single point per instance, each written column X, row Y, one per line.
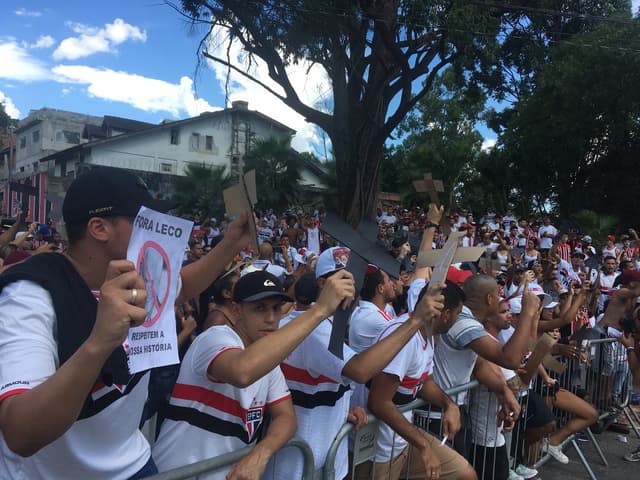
column 515, row 305
column 538, row 292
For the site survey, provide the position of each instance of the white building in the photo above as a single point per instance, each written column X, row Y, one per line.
column 219, row 138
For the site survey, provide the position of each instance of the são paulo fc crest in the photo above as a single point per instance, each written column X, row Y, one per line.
column 254, row 419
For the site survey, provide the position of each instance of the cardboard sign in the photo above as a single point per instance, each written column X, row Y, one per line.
column 242, row 198
column 156, row 248
column 429, row 258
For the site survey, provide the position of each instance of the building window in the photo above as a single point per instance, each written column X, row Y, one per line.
column 59, row 136
column 23, row 142
column 35, row 136
column 195, row 141
column 209, row 143
column 166, row 168
column 175, row 136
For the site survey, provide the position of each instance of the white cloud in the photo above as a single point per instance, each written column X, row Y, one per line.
column 635, row 7
column 44, row 41
column 488, row 144
column 23, row 12
column 18, row 64
column 92, row 40
column 9, row 106
column 147, row 94
column 312, row 85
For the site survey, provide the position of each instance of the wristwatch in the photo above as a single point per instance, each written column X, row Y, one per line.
column 430, row 224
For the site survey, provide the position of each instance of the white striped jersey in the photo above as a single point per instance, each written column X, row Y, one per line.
column 321, row 397
column 206, row 417
column 365, row 324
column 411, row 365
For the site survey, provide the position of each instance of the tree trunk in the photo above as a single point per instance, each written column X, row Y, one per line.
column 358, row 160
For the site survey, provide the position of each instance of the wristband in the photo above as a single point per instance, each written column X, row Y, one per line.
column 630, row 349
column 430, row 224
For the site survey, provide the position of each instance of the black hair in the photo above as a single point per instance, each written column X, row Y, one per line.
column 453, row 295
column 223, row 282
column 371, row 282
column 288, row 282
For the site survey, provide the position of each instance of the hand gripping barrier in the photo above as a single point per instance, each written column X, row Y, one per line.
column 365, row 438
column 210, row 465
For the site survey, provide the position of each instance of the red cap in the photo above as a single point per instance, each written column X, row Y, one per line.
column 458, row 276
column 611, row 238
column 629, row 276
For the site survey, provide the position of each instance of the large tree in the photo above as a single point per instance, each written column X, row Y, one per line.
column 381, row 57
column 439, row 136
column 577, row 136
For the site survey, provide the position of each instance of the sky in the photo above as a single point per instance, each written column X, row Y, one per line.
column 136, row 59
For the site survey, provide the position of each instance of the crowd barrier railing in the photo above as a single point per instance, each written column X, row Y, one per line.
column 210, row 465
column 364, row 444
column 599, row 376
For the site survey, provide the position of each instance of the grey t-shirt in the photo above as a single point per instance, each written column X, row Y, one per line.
column 453, row 359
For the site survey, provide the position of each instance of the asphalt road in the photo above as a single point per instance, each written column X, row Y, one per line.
column 613, row 448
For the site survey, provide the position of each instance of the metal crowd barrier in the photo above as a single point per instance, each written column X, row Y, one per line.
column 364, row 445
column 602, row 380
column 212, row 464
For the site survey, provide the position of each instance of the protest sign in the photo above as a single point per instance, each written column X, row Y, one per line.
column 156, row 248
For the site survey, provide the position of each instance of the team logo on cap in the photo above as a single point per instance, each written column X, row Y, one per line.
column 340, row 257
column 269, row 283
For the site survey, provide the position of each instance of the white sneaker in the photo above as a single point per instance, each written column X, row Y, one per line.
column 526, row 472
column 514, row 476
column 555, row 451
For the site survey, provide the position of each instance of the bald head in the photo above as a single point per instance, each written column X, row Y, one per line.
column 482, row 294
column 266, row 251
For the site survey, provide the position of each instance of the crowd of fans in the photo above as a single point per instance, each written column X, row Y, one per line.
column 253, row 341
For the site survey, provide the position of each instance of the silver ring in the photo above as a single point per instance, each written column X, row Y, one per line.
column 134, row 296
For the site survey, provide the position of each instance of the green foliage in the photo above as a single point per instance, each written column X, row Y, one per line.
column 5, row 119
column 439, row 136
column 598, row 225
column 277, row 173
column 382, row 58
column 200, row 190
column 578, row 135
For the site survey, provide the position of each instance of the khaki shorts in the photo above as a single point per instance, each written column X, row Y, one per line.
column 409, row 465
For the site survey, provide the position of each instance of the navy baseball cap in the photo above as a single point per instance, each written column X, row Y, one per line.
column 108, row 192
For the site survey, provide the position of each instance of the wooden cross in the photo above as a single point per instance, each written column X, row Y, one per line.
column 242, row 198
column 364, row 250
column 430, row 186
column 433, row 187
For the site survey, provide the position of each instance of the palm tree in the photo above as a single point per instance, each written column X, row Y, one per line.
column 200, row 190
column 278, row 175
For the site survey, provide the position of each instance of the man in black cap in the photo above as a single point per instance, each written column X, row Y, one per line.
column 230, row 377
column 68, row 406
